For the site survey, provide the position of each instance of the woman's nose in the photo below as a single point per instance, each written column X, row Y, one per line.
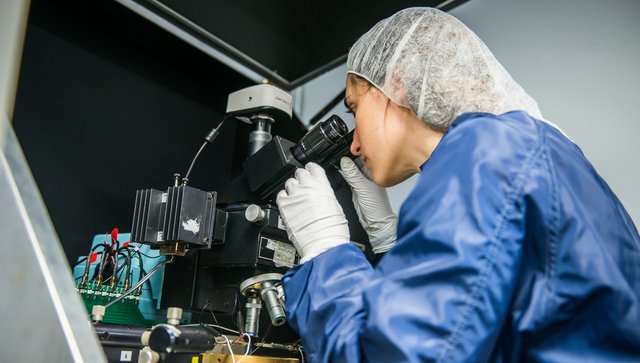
column 355, row 145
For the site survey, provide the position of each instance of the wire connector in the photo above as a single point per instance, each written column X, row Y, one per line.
column 212, row 135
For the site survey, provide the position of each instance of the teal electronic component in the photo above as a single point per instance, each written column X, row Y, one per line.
column 141, row 307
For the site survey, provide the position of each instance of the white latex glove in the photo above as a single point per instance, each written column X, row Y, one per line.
column 372, row 205
column 311, row 213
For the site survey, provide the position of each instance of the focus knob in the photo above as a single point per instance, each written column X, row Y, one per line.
column 254, row 214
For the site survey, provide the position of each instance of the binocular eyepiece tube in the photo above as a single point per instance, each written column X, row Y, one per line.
column 321, row 141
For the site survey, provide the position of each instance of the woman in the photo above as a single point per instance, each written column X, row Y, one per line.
column 510, row 247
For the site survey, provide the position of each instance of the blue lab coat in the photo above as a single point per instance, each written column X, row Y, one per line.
column 510, row 248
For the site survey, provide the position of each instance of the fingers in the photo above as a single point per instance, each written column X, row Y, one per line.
column 354, row 167
column 352, row 174
column 346, row 164
column 316, row 170
column 281, row 194
column 310, row 175
column 291, row 185
column 303, row 176
column 348, row 167
column 307, row 177
column 281, row 201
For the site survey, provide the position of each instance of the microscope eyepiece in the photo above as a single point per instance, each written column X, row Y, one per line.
column 320, row 142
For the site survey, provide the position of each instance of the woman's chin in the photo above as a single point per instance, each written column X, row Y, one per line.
column 387, row 180
column 382, row 179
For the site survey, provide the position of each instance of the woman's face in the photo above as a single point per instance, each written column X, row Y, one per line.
column 390, row 139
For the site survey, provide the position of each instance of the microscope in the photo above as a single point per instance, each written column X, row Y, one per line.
column 228, row 248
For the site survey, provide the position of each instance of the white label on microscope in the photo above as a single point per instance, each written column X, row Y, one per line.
column 284, row 254
column 125, row 355
column 271, row 244
column 191, row 225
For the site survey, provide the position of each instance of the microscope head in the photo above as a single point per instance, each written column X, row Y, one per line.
column 260, row 105
column 260, row 99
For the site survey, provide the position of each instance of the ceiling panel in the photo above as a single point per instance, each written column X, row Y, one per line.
column 284, row 41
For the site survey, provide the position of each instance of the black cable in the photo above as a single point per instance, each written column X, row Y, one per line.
column 141, row 270
column 202, row 312
column 90, row 253
column 80, row 261
column 148, row 256
column 136, row 249
column 186, row 177
column 140, row 283
column 210, row 310
column 139, row 254
column 118, row 272
column 240, row 322
column 212, row 135
column 105, row 253
column 88, row 259
column 214, row 316
column 114, row 254
column 128, row 262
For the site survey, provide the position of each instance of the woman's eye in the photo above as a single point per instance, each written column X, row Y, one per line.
column 348, row 110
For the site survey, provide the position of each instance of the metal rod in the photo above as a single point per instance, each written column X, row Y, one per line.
column 318, row 71
column 198, row 42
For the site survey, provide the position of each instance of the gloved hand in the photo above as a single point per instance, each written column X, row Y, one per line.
column 372, row 205
column 311, row 213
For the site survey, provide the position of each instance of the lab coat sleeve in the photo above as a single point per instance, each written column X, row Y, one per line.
column 443, row 292
column 324, row 303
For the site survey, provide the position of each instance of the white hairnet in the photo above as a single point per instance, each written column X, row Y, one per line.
column 428, row 61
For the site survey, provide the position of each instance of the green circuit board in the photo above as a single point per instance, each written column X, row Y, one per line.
column 124, row 312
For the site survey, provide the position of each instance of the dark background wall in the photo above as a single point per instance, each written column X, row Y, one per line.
column 107, row 103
